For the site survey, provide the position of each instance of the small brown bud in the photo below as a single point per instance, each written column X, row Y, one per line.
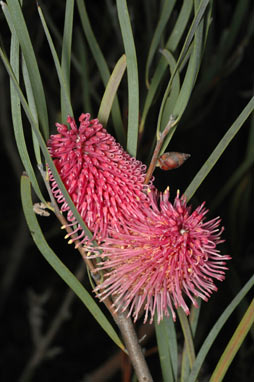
column 171, row 160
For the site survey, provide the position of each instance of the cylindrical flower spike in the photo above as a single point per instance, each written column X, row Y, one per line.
column 172, row 160
column 105, row 183
column 167, row 256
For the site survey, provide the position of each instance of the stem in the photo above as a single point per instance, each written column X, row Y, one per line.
column 171, row 123
column 134, row 350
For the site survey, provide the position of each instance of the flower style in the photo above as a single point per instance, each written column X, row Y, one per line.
column 105, row 183
column 165, row 257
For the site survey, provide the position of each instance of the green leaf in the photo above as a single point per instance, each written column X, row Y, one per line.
column 16, row 114
column 111, row 89
column 167, row 347
column 234, row 345
column 193, row 320
column 166, row 11
column 218, row 151
column 66, row 54
column 216, row 329
column 235, row 178
column 103, row 68
column 132, row 76
column 57, row 264
column 20, row 27
column 188, row 339
column 32, row 106
column 172, row 91
column 67, row 109
column 171, row 46
column 196, row 30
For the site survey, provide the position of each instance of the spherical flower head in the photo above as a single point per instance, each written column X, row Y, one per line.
column 105, row 183
column 167, row 256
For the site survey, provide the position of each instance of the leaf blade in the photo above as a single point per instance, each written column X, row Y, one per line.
column 234, row 344
column 111, row 89
column 219, row 149
column 132, row 76
column 20, row 27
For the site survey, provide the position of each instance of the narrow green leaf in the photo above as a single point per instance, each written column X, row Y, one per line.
column 171, row 46
column 193, row 320
column 57, row 264
column 111, row 89
column 218, row 151
column 167, row 347
column 132, row 76
column 172, row 91
column 234, row 345
column 235, row 178
column 200, row 8
column 82, row 61
column 196, row 30
column 65, row 91
column 102, row 67
column 216, row 329
column 180, row 25
column 188, row 339
column 166, row 11
column 16, row 114
column 32, row 106
column 20, row 27
column 66, row 54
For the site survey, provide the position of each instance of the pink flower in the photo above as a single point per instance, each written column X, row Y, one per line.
column 105, row 183
column 165, row 257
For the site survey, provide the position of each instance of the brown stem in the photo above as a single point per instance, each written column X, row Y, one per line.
column 134, row 349
column 170, row 125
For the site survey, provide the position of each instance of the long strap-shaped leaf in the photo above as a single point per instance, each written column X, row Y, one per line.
column 166, row 11
column 196, row 30
column 216, row 329
column 132, row 75
column 193, row 319
column 16, row 113
column 171, row 45
column 111, row 89
column 66, row 54
column 102, row 67
column 57, row 264
column 220, row 148
column 167, row 347
column 234, row 345
column 67, row 108
column 20, row 27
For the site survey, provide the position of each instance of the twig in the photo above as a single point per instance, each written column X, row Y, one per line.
column 113, row 364
column 135, row 353
column 171, row 123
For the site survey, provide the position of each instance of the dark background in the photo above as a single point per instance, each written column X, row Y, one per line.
column 31, row 292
